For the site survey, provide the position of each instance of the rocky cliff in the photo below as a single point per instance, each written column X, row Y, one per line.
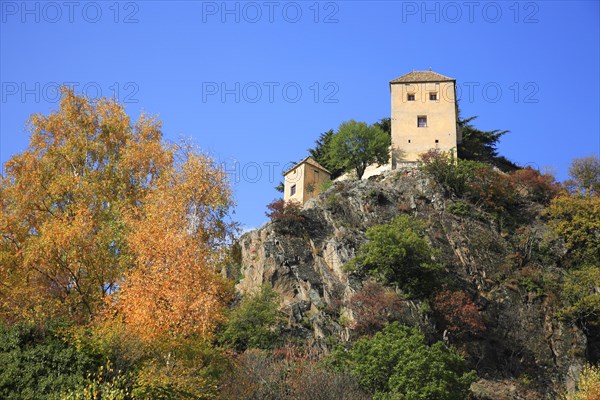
column 526, row 352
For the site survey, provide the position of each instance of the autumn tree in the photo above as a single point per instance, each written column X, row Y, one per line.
column 374, row 306
column 98, row 206
column 62, row 202
column 576, row 219
column 104, row 224
column 585, row 174
column 458, row 313
column 177, row 244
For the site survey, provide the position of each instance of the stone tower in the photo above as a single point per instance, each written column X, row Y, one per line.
column 424, row 115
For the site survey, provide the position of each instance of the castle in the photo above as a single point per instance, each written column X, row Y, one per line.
column 424, row 116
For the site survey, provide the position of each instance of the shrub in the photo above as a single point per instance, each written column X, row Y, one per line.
column 254, row 323
column 588, row 386
column 326, row 185
column 459, row 208
column 179, row 367
column 576, row 219
column 106, row 384
column 190, row 370
column 397, row 364
column 36, row 362
column 533, row 185
column 374, row 307
column 398, row 254
column 458, row 312
column 260, row 375
column 491, row 189
column 486, row 186
column 280, row 210
column 581, row 296
column 451, row 174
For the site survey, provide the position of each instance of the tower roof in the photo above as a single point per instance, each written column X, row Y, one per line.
column 307, row 160
column 422, row 76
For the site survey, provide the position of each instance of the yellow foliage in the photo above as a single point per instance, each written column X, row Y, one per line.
column 98, row 214
column 576, row 219
column 588, row 386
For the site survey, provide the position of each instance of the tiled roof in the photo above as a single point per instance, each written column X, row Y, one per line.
column 421, row 76
column 307, row 160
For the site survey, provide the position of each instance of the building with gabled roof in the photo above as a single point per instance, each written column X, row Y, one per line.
column 424, row 115
column 422, row 76
column 304, row 180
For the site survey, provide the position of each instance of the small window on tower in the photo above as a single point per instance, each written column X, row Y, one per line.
column 293, row 190
column 422, row 121
column 433, row 96
column 410, row 97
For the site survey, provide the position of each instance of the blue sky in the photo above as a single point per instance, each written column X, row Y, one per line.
column 255, row 83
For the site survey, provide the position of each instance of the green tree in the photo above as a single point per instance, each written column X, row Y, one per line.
column 321, row 153
column 385, row 124
column 396, row 363
column 254, row 324
column 478, row 145
column 585, row 172
column 356, row 145
column 398, row 253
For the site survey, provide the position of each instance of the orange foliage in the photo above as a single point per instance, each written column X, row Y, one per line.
column 61, row 207
column 535, row 185
column 458, row 312
column 175, row 287
column 100, row 211
column 374, row 306
column 280, row 210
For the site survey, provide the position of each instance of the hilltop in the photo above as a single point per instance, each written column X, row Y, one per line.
column 504, row 261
